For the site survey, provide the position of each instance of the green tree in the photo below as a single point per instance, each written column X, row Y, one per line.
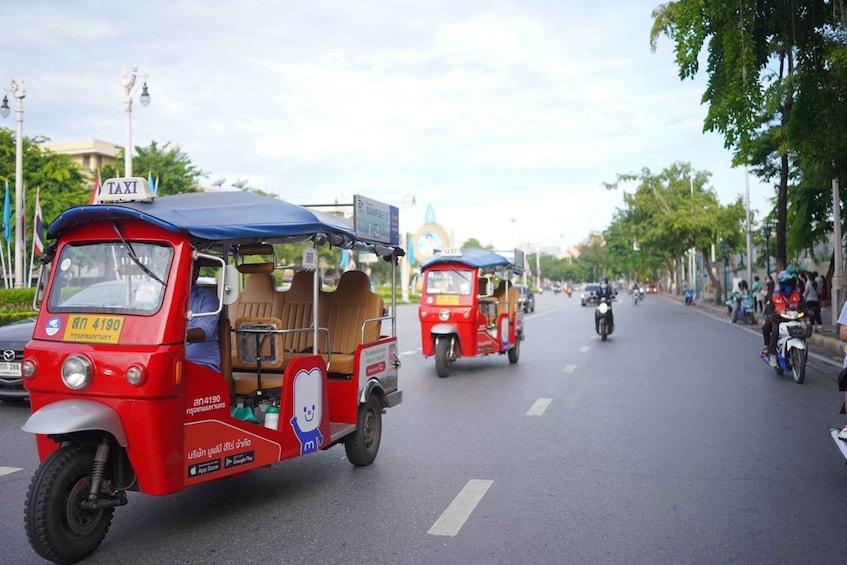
column 173, row 168
column 474, row 243
column 59, row 180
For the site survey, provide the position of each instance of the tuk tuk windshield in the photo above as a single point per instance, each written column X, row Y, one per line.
column 449, row 282
column 111, row 277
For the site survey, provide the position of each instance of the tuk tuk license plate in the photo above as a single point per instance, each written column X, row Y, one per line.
column 447, row 300
column 8, row 369
column 94, row 329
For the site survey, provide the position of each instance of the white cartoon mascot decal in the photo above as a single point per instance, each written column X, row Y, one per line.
column 308, row 410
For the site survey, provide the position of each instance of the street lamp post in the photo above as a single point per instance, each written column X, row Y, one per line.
column 767, row 231
column 128, row 82
column 725, row 250
column 19, row 92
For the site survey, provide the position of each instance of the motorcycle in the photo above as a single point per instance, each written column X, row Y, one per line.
column 602, row 318
column 689, row 297
column 745, row 312
column 636, row 296
column 791, row 351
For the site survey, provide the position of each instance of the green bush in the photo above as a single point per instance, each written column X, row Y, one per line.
column 16, row 304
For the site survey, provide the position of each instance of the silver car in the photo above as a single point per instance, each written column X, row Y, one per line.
column 13, row 339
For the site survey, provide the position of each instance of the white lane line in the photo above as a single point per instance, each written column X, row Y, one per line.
column 455, row 516
column 539, row 407
column 410, row 352
column 583, row 349
column 9, row 470
column 569, row 369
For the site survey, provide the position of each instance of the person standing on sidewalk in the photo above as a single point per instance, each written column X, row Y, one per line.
column 758, row 295
column 810, row 295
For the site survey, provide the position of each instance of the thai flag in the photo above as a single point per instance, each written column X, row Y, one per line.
column 96, row 193
column 7, row 215
column 38, row 226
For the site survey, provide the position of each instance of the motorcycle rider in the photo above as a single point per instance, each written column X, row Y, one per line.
column 736, row 299
column 784, row 298
column 608, row 293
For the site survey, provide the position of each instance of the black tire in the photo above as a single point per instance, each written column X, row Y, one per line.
column 798, row 365
column 57, row 527
column 362, row 445
column 515, row 352
column 442, row 357
column 603, row 329
column 749, row 319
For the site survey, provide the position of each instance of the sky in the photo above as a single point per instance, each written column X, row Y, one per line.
column 506, row 117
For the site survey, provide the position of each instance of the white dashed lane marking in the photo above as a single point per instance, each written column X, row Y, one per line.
column 9, row 470
column 583, row 349
column 569, row 369
column 411, row 352
column 455, row 516
column 539, row 407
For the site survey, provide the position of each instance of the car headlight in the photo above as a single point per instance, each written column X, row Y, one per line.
column 76, row 372
column 444, row 315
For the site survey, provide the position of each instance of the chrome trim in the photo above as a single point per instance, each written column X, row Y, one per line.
column 444, row 329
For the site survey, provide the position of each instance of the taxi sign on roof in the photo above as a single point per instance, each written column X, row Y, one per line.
column 124, row 189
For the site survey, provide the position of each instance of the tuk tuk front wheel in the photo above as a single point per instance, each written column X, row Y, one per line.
column 515, row 352
column 442, row 357
column 362, row 445
column 59, row 529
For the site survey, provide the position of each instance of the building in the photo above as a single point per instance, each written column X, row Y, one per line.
column 90, row 154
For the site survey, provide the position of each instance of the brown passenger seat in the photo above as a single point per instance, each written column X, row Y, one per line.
column 506, row 304
column 258, row 305
column 348, row 307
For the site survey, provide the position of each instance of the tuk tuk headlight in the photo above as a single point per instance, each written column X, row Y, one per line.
column 76, row 372
column 28, row 368
column 135, row 375
column 444, row 315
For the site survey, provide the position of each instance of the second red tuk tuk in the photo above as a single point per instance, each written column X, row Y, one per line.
column 469, row 307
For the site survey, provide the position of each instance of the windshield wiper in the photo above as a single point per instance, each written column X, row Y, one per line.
column 131, row 254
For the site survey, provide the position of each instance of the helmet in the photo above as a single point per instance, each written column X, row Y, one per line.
column 604, row 280
column 787, row 281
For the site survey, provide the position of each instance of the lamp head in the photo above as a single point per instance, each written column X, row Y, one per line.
column 4, row 109
column 145, row 96
column 767, row 231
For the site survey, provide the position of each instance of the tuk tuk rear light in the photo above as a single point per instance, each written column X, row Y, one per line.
column 76, row 372
column 135, row 375
column 28, row 368
column 178, row 369
column 444, row 315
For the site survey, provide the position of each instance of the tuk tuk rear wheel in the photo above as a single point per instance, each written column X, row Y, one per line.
column 442, row 357
column 515, row 352
column 57, row 526
column 362, row 445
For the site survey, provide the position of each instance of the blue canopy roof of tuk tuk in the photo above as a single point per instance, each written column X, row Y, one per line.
column 225, row 216
column 476, row 258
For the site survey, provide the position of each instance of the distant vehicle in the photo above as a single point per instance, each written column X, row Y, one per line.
column 13, row 339
column 589, row 293
column 526, row 299
column 651, row 288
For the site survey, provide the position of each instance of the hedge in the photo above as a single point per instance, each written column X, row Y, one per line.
column 16, row 304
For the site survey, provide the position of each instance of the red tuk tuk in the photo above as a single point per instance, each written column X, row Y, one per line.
column 116, row 404
column 465, row 311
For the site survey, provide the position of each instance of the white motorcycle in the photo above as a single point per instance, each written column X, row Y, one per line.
column 791, row 351
column 602, row 318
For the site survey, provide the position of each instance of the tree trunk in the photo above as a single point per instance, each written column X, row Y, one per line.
column 715, row 282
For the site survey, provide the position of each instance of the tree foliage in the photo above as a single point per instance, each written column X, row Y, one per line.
column 173, row 168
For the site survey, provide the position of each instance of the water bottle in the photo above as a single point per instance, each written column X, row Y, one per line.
column 272, row 417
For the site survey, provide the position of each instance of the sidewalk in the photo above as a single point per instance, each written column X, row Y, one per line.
column 827, row 338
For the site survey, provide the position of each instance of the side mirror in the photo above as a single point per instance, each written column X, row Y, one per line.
column 228, row 288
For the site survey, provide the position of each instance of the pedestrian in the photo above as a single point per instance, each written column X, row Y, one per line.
column 758, row 292
column 842, row 333
column 810, row 295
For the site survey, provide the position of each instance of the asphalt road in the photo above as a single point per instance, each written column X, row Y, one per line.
column 670, row 443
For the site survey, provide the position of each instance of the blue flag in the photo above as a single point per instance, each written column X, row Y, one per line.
column 7, row 215
column 150, row 182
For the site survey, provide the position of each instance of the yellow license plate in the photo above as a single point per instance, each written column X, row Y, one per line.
column 94, row 329
column 447, row 300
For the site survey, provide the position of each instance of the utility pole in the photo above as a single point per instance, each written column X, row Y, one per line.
column 838, row 275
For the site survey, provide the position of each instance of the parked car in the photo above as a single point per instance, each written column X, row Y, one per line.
column 13, row 338
column 589, row 293
column 526, row 300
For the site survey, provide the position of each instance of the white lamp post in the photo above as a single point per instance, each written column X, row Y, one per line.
column 128, row 82
column 405, row 271
column 19, row 92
